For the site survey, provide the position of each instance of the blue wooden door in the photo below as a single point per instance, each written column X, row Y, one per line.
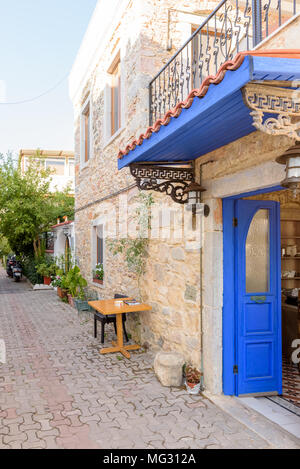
column 258, row 297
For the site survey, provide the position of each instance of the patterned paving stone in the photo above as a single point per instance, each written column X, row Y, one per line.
column 57, row 391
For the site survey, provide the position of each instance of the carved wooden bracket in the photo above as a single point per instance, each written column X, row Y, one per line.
column 266, row 99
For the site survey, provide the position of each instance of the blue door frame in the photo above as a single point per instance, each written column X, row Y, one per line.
column 230, row 382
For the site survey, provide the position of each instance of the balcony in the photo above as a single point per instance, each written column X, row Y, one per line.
column 234, row 26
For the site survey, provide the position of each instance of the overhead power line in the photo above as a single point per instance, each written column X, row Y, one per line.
column 35, row 98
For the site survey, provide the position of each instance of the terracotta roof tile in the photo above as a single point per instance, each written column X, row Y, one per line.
column 62, row 224
column 233, row 64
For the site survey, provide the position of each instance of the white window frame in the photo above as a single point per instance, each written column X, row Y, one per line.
column 47, row 160
column 87, row 102
column 44, row 161
column 108, row 138
column 70, row 160
column 100, row 221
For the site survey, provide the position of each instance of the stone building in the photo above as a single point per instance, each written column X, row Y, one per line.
column 227, row 107
column 136, row 38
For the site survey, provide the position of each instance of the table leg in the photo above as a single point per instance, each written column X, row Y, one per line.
column 120, row 336
column 119, row 345
column 119, row 330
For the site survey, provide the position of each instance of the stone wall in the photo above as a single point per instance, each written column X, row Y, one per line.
column 245, row 165
column 172, row 280
column 174, row 273
column 244, row 153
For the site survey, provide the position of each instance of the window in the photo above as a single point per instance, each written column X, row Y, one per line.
column 98, row 251
column 71, row 168
column 207, row 40
column 99, row 235
column 58, row 166
column 257, row 252
column 115, row 71
column 86, row 125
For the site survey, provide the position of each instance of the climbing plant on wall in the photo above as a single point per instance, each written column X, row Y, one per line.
column 135, row 249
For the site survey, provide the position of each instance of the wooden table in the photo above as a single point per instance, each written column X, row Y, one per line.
column 107, row 307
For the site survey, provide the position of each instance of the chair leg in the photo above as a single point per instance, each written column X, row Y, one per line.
column 125, row 333
column 95, row 327
column 102, row 332
column 115, row 326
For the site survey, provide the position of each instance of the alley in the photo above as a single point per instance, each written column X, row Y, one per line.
column 57, row 391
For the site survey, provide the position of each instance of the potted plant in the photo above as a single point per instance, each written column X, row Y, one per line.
column 63, row 289
column 74, row 283
column 81, row 302
column 46, row 270
column 58, row 282
column 98, row 274
column 192, row 380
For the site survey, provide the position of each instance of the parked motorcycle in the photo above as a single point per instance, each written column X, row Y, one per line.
column 17, row 271
column 14, row 268
column 9, row 265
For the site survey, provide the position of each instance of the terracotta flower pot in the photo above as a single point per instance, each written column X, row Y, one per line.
column 71, row 300
column 47, row 280
column 96, row 280
column 61, row 293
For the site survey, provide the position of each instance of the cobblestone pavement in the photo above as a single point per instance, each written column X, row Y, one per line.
column 57, row 391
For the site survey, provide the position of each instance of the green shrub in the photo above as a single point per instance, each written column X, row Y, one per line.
column 30, row 270
column 46, row 270
column 74, row 282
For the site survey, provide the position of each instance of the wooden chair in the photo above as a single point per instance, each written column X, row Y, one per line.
column 111, row 318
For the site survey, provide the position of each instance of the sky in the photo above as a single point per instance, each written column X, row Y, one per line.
column 39, row 40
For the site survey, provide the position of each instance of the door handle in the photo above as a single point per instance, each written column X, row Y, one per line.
column 258, row 299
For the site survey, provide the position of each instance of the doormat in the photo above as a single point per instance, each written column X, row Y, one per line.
column 286, row 404
column 290, row 398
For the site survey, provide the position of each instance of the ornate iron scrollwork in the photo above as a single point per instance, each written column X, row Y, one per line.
column 285, row 102
column 164, row 179
column 233, row 26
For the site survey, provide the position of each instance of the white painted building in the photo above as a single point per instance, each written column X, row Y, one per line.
column 60, row 162
column 63, row 239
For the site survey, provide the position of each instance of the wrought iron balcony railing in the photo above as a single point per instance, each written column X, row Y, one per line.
column 234, row 26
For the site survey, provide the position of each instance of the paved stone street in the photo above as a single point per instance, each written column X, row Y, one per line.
column 57, row 391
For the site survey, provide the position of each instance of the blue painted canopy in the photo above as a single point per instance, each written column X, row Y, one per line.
column 220, row 117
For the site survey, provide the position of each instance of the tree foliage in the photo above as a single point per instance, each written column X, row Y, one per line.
column 4, row 247
column 27, row 207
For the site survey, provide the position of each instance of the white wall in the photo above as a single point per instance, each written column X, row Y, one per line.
column 60, row 241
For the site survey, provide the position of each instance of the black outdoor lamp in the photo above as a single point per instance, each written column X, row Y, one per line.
column 193, row 192
column 291, row 159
